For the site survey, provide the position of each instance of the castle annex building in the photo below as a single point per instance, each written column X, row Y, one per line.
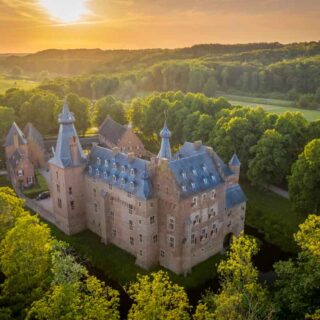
column 24, row 154
column 175, row 210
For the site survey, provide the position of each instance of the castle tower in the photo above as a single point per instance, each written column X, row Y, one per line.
column 165, row 150
column 234, row 165
column 67, row 176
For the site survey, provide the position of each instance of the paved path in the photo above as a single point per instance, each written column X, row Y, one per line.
column 281, row 192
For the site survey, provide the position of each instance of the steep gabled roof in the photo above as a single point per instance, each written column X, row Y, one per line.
column 31, row 132
column 112, row 130
column 14, row 130
column 121, row 171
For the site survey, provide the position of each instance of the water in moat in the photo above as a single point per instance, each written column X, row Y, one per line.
column 264, row 260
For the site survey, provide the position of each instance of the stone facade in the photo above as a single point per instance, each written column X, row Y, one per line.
column 24, row 153
column 175, row 210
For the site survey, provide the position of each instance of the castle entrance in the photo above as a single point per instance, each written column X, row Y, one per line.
column 227, row 240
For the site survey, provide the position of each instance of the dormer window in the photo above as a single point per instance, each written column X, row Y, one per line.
column 132, row 185
column 97, row 172
column 193, row 185
column 106, row 163
column 123, row 168
column 114, row 178
column 184, row 188
column 123, row 182
column 194, row 171
column 106, row 174
column 205, row 180
column 114, row 165
column 90, row 170
column 98, row 161
column 184, row 175
column 214, row 179
column 132, row 172
column 204, row 167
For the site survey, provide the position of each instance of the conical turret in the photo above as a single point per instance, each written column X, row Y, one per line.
column 165, row 150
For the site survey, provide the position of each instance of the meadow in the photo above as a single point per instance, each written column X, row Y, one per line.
column 273, row 106
column 8, row 83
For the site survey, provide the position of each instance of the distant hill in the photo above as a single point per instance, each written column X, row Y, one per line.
column 78, row 61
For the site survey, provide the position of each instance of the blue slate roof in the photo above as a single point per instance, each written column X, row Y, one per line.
column 235, row 161
column 31, row 132
column 121, row 171
column 196, row 172
column 15, row 159
column 62, row 157
column 14, row 130
column 234, row 196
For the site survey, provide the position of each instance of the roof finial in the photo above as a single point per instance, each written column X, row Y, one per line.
column 165, row 150
column 66, row 117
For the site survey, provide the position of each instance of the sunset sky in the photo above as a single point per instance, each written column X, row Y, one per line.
column 32, row 25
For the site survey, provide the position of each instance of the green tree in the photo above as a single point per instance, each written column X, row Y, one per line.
column 11, row 208
column 270, row 162
column 304, row 182
column 74, row 294
column 156, row 297
column 80, row 108
column 241, row 296
column 298, row 281
column 108, row 106
column 7, row 118
column 40, row 110
column 25, row 262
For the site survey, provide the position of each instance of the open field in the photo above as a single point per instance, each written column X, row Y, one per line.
column 6, row 83
column 273, row 105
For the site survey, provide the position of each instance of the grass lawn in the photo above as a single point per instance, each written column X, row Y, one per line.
column 273, row 216
column 273, row 105
column 119, row 265
column 40, row 186
column 7, row 83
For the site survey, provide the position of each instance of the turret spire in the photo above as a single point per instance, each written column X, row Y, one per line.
column 165, row 150
column 66, row 117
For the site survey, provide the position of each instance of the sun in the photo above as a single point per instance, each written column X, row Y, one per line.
column 66, row 11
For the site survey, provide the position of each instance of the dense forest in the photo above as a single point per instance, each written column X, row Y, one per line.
column 265, row 70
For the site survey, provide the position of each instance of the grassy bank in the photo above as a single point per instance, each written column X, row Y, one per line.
column 119, row 265
column 273, row 216
column 7, row 83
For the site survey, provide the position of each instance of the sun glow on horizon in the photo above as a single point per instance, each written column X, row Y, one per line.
column 66, row 11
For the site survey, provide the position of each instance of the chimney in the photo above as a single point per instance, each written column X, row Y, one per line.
column 131, row 156
column 115, row 151
column 74, row 150
column 197, row 144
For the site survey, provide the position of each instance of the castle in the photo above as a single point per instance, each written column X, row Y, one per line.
column 174, row 210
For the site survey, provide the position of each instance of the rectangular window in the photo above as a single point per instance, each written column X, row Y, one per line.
column 70, row 190
column 112, row 215
column 152, row 220
column 130, row 225
column 204, row 197
column 96, row 207
column 193, row 238
column 59, row 203
column 194, row 202
column 162, row 254
column 171, row 242
column 72, row 205
column 130, row 208
column 131, row 241
column 94, row 192
column 213, row 194
column 114, row 233
column 155, row 238
column 140, row 252
column 171, row 223
column 140, row 237
column 129, row 194
column 58, row 188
